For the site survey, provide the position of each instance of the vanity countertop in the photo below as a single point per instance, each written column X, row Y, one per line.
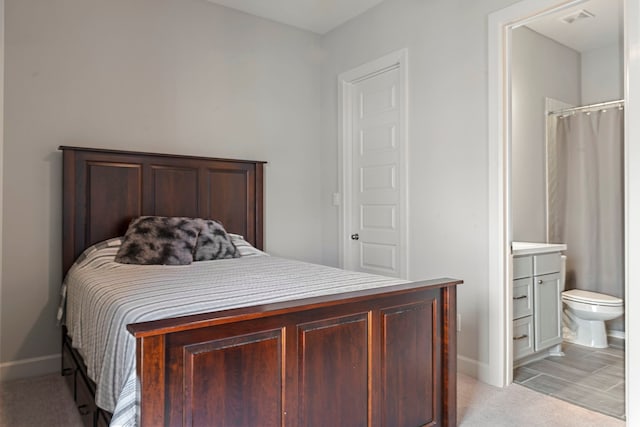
column 530, row 248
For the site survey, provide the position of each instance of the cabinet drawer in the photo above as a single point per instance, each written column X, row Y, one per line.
column 522, row 298
column 522, row 267
column 546, row 263
column 522, row 337
column 69, row 369
column 85, row 403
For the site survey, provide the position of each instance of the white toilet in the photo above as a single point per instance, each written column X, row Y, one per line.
column 585, row 313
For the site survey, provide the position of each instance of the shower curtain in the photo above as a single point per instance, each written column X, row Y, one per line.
column 585, row 198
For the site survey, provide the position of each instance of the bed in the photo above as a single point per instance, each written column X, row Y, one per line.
column 378, row 356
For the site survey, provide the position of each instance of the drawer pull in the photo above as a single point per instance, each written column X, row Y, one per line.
column 540, row 282
column 520, row 297
column 84, row 410
column 521, row 337
column 67, row 371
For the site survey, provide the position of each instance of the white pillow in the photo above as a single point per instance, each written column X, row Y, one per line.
column 245, row 248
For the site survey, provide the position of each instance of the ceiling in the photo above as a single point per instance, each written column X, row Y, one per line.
column 318, row 16
column 603, row 29
column 321, row 16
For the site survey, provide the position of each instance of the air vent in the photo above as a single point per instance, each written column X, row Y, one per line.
column 579, row 15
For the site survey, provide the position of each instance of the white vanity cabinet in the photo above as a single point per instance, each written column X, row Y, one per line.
column 537, row 302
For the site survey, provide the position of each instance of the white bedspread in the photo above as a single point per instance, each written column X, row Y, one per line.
column 103, row 297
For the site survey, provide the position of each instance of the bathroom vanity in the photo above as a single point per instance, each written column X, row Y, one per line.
column 537, row 303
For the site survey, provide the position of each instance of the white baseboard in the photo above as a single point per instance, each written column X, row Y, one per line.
column 616, row 334
column 32, row 367
column 474, row 368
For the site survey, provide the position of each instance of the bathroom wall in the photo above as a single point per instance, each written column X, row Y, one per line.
column 602, row 77
column 541, row 68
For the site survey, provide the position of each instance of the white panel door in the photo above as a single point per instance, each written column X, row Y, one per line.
column 377, row 145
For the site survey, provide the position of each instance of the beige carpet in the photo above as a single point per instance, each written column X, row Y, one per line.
column 42, row 401
column 482, row 405
column 45, row 401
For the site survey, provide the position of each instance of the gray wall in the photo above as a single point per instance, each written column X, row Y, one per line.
column 541, row 68
column 174, row 76
column 448, row 147
column 602, row 74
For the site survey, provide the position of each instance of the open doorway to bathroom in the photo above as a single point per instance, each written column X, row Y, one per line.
column 567, row 181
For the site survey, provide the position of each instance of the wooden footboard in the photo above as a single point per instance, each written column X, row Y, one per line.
column 384, row 357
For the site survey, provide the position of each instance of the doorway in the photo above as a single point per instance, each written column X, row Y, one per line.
column 501, row 25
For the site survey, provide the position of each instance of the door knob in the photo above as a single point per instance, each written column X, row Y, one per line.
column 355, row 236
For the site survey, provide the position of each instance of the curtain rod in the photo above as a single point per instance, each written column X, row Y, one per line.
column 618, row 103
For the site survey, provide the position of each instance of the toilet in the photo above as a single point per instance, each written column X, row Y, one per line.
column 585, row 313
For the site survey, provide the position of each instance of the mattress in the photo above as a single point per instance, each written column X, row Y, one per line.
column 102, row 297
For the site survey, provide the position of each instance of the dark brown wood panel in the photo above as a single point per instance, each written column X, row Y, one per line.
column 175, row 191
column 184, row 348
column 150, row 362
column 334, row 356
column 104, row 189
column 409, row 367
column 229, row 197
column 248, row 385
column 449, row 356
column 108, row 212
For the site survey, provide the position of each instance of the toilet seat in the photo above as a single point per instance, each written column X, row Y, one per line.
column 587, row 297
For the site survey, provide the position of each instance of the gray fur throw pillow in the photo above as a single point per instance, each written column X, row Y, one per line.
column 156, row 240
column 213, row 242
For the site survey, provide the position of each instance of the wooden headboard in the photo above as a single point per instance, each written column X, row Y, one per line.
column 104, row 189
